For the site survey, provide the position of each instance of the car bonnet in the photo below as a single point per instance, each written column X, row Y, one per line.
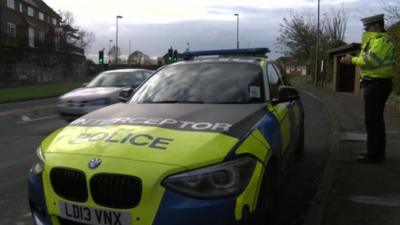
column 187, row 135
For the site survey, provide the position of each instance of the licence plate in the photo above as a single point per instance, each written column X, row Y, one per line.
column 84, row 214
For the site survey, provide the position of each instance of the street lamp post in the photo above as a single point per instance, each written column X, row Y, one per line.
column 317, row 50
column 109, row 51
column 188, row 46
column 116, row 40
column 237, row 30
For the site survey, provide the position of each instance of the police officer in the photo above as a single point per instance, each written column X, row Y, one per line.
column 376, row 61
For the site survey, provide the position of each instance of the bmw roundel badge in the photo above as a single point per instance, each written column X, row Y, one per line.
column 94, row 163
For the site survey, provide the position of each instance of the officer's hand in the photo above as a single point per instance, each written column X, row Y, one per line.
column 346, row 59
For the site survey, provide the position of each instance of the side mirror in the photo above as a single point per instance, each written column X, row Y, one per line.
column 125, row 94
column 286, row 94
column 84, row 84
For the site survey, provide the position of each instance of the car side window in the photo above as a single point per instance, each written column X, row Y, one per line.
column 281, row 77
column 274, row 80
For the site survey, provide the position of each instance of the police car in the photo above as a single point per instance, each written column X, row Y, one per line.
column 202, row 141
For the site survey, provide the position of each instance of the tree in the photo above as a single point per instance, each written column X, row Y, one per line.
column 392, row 15
column 392, row 12
column 298, row 34
column 74, row 34
column 334, row 28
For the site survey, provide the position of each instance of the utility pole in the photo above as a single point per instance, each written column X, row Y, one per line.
column 316, row 77
column 188, row 46
column 237, row 30
column 129, row 48
column 116, row 40
column 109, row 51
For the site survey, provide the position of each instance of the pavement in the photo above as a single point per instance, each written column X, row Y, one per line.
column 351, row 193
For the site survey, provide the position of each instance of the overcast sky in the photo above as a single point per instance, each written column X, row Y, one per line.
column 153, row 26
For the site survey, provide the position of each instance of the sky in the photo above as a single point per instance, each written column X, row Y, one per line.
column 152, row 26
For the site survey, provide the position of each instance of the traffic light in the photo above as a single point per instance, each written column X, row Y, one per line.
column 101, row 57
column 175, row 58
column 170, row 55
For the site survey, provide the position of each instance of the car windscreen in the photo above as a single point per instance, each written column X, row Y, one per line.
column 213, row 83
column 119, row 79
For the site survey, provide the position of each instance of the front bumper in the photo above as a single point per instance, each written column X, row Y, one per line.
column 177, row 209
column 174, row 209
column 158, row 206
column 37, row 200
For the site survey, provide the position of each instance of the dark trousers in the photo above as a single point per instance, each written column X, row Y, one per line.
column 375, row 95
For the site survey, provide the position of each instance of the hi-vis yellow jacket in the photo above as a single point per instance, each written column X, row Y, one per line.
column 376, row 59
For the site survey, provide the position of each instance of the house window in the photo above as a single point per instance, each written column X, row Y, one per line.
column 41, row 36
column 54, row 21
column 41, row 16
column 21, row 8
column 11, row 4
column 11, row 30
column 30, row 11
column 31, row 37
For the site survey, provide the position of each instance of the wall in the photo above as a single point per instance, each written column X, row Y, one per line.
column 35, row 66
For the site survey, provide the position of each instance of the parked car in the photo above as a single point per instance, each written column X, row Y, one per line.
column 201, row 142
column 103, row 90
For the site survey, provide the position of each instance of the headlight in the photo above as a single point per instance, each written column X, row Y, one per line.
column 225, row 179
column 38, row 164
column 101, row 101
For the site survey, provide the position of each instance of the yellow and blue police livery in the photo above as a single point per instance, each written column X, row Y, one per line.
column 203, row 141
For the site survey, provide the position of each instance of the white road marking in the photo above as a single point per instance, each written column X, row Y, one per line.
column 25, row 118
column 24, row 110
column 38, row 119
column 348, row 136
column 27, row 215
column 389, row 200
column 311, row 94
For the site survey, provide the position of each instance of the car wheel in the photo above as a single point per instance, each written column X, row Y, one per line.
column 299, row 152
column 266, row 204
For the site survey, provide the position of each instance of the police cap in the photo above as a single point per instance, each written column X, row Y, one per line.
column 372, row 19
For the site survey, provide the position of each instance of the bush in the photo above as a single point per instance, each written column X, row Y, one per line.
column 394, row 32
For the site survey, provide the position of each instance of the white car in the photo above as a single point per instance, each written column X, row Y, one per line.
column 102, row 91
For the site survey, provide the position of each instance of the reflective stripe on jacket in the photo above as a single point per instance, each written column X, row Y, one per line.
column 377, row 55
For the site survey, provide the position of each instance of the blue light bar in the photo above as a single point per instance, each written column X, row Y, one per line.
column 227, row 52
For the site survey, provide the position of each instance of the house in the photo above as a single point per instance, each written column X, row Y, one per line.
column 31, row 24
column 33, row 47
column 139, row 58
column 292, row 66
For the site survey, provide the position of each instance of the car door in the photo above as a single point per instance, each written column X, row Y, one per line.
column 282, row 112
column 294, row 109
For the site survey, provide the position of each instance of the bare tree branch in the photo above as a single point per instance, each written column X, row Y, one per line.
column 75, row 35
column 392, row 12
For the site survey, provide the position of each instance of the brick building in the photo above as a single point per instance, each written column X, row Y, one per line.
column 33, row 47
column 292, row 66
column 28, row 24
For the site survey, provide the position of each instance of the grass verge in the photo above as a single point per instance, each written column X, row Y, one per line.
column 35, row 92
column 300, row 79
